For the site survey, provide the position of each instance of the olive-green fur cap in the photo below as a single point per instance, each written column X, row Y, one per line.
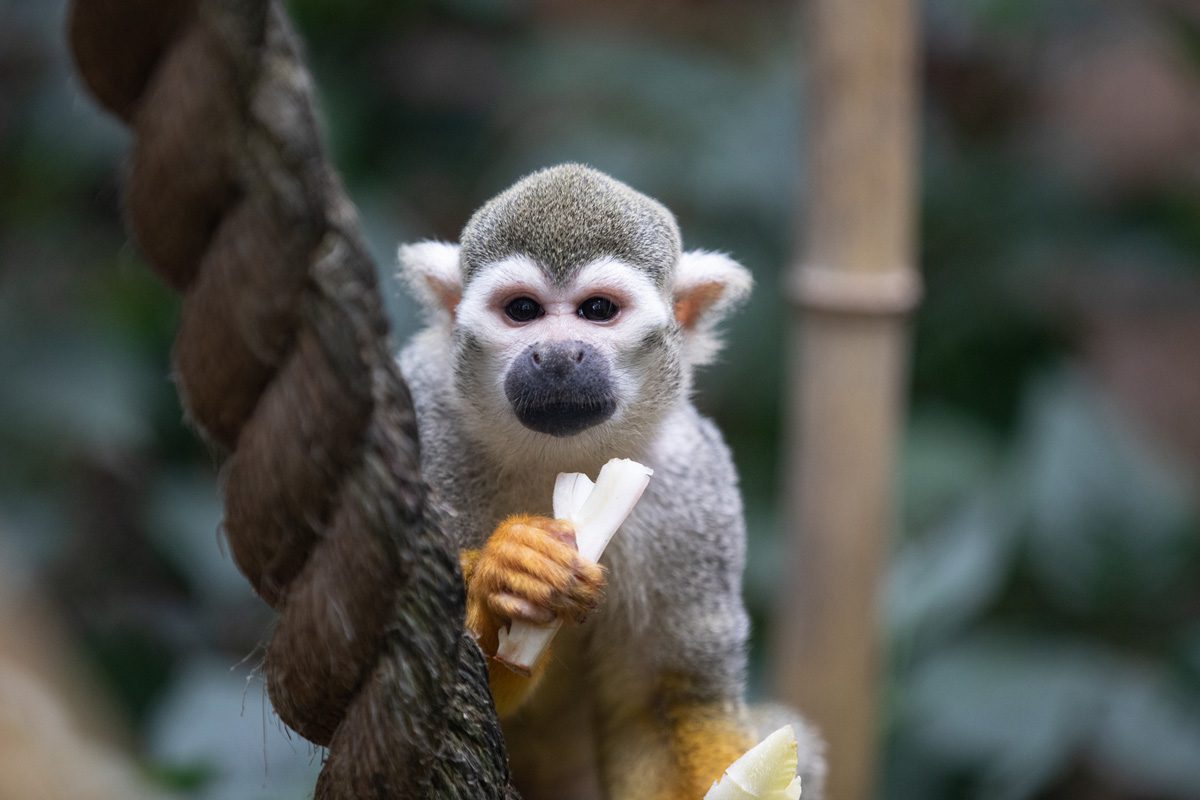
column 567, row 216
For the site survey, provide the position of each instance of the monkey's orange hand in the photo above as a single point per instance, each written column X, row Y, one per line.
column 530, row 569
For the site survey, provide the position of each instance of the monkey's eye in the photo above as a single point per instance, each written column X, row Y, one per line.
column 598, row 309
column 523, row 309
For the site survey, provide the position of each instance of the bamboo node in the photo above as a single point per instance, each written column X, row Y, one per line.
column 855, row 292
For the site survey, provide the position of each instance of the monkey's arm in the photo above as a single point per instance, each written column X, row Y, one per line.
column 529, row 569
column 509, row 690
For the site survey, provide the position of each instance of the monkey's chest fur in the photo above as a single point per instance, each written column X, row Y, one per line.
column 673, row 602
column 551, row 745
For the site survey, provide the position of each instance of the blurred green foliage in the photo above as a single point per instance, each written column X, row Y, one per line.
column 1043, row 612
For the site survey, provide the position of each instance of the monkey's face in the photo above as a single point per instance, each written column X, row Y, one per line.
column 574, row 317
column 598, row 351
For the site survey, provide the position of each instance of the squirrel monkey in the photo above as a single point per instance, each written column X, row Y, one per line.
column 563, row 331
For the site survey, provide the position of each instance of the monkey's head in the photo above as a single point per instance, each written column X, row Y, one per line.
column 575, row 318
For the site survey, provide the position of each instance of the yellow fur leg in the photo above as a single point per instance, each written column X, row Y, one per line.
column 673, row 753
column 706, row 741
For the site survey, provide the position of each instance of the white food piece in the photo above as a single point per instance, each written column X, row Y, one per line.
column 596, row 510
column 766, row 772
column 571, row 491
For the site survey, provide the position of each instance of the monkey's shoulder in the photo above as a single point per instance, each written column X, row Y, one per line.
column 694, row 470
column 423, row 365
column 449, row 463
column 691, row 516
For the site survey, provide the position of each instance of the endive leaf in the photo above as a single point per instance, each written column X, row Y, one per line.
column 766, row 772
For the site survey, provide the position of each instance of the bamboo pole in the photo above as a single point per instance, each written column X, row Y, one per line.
column 851, row 291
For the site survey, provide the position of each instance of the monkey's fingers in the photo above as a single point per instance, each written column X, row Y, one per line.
column 512, row 607
column 536, row 549
column 536, row 586
column 539, row 583
column 590, row 575
column 586, row 591
column 508, row 560
column 531, row 570
column 560, row 530
column 574, row 598
column 542, row 604
column 551, row 538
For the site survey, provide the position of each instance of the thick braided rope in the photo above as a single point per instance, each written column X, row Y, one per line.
column 282, row 359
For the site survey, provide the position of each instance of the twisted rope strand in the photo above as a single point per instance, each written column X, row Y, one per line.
column 282, row 360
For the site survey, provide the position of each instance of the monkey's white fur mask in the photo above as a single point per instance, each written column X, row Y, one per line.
column 704, row 288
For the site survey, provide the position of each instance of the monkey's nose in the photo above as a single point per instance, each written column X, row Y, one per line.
column 558, row 359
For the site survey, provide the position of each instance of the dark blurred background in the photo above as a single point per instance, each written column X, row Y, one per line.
column 1043, row 609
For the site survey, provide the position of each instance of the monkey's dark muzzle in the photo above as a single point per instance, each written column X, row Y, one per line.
column 560, row 388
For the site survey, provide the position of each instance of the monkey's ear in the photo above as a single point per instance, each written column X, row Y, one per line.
column 431, row 271
column 707, row 287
